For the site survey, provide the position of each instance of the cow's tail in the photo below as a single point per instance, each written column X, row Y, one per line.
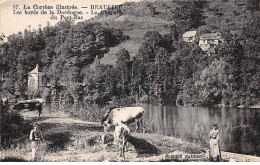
column 142, row 124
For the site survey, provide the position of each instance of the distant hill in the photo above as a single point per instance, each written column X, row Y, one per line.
column 136, row 18
column 135, row 27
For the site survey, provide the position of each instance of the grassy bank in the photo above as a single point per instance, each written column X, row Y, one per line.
column 69, row 139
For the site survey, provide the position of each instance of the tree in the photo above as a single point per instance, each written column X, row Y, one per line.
column 253, row 5
column 233, row 54
column 213, row 83
column 162, row 78
column 175, row 32
column 152, row 40
column 123, row 69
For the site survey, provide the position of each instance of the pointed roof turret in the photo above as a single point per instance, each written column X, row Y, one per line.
column 35, row 70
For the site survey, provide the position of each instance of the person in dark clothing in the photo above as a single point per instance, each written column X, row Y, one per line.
column 38, row 106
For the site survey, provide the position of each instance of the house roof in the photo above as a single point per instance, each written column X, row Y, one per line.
column 189, row 34
column 35, row 70
column 210, row 36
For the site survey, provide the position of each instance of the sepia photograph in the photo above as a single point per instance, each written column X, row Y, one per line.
column 130, row 81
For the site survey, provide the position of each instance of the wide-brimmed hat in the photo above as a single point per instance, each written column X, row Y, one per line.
column 35, row 124
column 214, row 124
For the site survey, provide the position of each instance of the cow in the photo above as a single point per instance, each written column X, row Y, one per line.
column 120, row 133
column 34, row 104
column 125, row 115
column 141, row 146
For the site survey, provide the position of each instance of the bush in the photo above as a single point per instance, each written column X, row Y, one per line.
column 46, row 95
column 11, row 127
column 85, row 112
column 34, row 94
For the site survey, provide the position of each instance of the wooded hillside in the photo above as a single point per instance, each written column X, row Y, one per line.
column 150, row 61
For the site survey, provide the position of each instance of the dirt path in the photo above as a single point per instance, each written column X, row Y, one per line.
column 67, row 139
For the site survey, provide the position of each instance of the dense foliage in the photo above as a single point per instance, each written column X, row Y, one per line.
column 62, row 52
column 165, row 69
column 11, row 125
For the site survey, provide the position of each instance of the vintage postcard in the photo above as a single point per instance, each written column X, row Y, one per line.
column 130, row 80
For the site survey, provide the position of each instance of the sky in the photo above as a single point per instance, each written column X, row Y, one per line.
column 13, row 23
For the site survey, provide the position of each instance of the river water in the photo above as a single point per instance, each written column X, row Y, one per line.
column 239, row 128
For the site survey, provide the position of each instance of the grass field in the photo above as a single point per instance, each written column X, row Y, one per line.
column 68, row 139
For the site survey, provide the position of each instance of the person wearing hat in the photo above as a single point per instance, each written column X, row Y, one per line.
column 214, row 152
column 35, row 138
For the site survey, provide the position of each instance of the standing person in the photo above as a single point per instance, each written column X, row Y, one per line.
column 5, row 105
column 214, row 152
column 35, row 138
column 39, row 108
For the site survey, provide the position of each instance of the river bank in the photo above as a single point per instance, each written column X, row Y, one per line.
column 69, row 139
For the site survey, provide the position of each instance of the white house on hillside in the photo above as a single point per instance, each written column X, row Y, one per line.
column 209, row 40
column 190, row 36
column 36, row 79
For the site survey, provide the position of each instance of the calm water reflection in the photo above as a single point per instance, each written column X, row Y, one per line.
column 239, row 128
